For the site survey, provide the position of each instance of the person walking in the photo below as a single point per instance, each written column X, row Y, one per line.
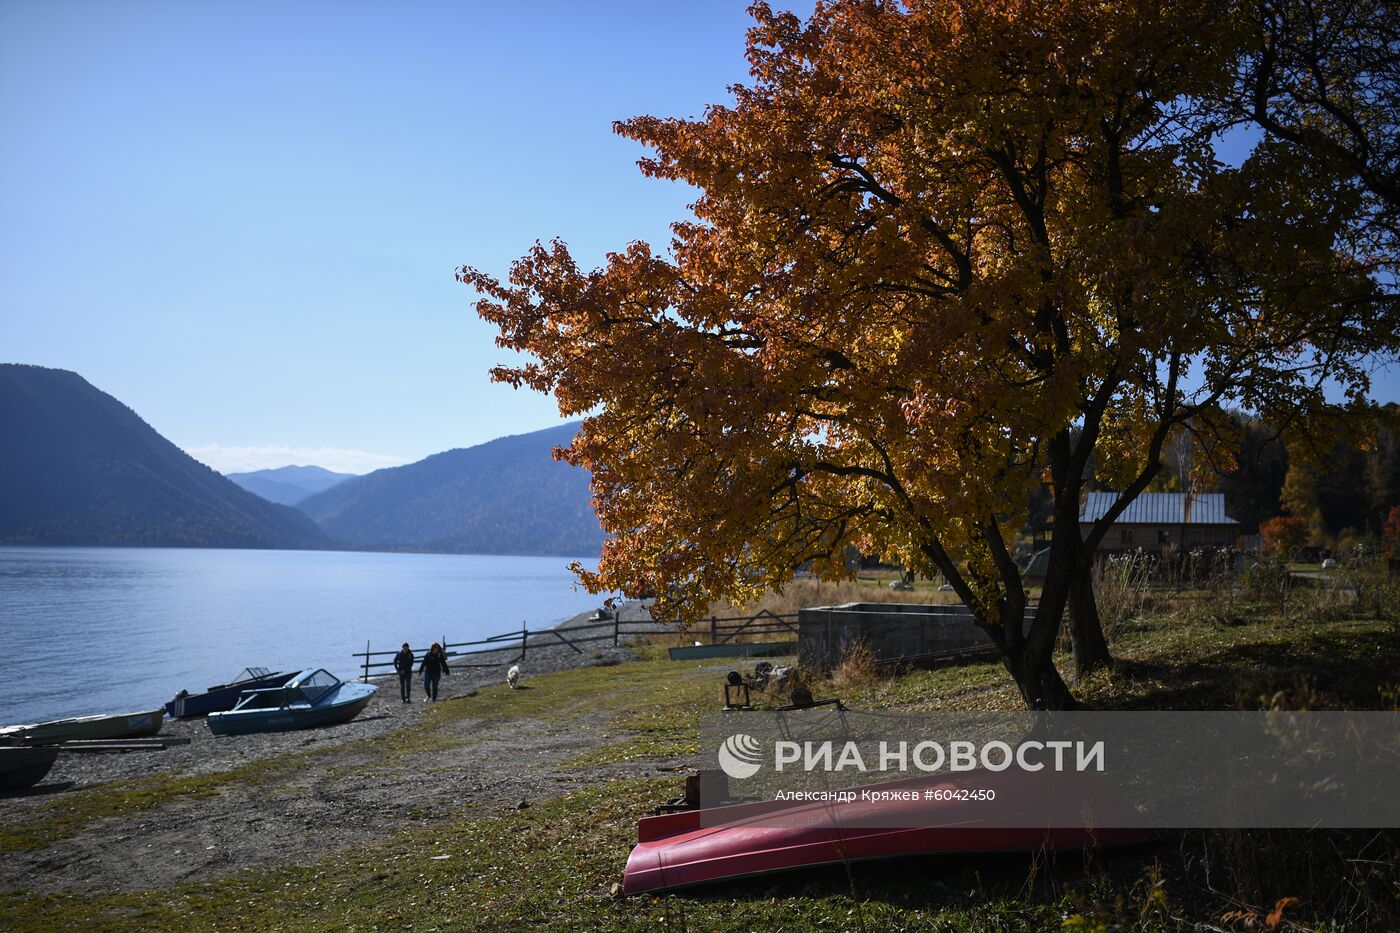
column 433, row 667
column 403, row 663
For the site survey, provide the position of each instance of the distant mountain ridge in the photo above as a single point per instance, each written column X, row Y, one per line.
column 507, row 496
column 288, row 485
column 79, row 467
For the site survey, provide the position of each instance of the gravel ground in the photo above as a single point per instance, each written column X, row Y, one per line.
column 344, row 793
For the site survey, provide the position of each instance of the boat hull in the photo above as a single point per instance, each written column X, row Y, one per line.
column 22, row 767
column 726, row 843
column 288, row 719
column 108, row 726
column 223, row 697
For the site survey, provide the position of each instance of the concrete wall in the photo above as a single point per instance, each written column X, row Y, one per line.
column 893, row 631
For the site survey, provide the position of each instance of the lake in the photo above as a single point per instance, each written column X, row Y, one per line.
column 90, row 630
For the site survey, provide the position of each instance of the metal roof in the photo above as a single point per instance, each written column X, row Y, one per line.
column 1161, row 508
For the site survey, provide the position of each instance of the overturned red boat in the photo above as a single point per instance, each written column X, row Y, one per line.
column 926, row 816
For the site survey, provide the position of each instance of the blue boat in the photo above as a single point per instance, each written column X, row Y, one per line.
column 312, row 698
column 224, row 696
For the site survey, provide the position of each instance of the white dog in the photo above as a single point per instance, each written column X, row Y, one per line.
column 513, row 676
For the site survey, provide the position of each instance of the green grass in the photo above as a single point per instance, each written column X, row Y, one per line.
column 551, row 866
column 562, row 695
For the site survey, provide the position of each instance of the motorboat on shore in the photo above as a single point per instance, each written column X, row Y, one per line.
column 103, row 726
column 224, row 696
column 314, row 697
column 23, row 766
column 701, row 846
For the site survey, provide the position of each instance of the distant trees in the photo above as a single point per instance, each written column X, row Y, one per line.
column 1300, row 499
column 1345, row 490
column 1253, row 482
column 1382, row 470
column 1340, row 488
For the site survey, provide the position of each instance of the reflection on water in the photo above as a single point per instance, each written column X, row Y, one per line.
column 87, row 630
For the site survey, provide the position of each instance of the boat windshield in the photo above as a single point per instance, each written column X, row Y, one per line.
column 316, row 685
column 271, row 698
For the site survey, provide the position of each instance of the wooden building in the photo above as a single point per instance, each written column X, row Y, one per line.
column 1162, row 521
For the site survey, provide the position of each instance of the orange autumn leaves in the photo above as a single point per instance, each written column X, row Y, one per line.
column 929, row 237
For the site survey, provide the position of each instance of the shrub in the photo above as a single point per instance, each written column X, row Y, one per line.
column 1391, row 535
column 1283, row 534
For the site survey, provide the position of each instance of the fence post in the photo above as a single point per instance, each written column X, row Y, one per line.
column 713, row 630
column 524, row 638
column 617, row 613
column 366, row 677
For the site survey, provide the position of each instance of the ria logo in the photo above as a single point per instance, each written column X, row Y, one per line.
column 740, row 756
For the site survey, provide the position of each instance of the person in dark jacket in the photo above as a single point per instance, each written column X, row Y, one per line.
column 403, row 663
column 433, row 667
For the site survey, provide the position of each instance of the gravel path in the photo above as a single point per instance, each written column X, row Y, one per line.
column 342, row 794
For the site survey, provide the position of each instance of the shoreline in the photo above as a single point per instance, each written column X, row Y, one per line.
column 203, row 835
column 137, row 625
column 544, row 655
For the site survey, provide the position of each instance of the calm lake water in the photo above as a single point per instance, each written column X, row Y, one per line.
column 91, row 630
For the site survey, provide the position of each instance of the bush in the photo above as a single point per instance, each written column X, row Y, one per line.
column 1284, row 534
column 1391, row 535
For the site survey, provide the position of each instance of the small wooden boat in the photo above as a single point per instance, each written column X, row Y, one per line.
column 312, row 698
column 104, row 726
column 693, row 847
column 224, row 696
column 21, row 766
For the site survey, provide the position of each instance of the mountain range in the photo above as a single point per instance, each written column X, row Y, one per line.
column 288, row 485
column 79, row 467
column 507, row 496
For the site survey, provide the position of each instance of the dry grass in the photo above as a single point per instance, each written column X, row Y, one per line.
column 857, row 668
column 1121, row 591
column 800, row 594
column 806, row 593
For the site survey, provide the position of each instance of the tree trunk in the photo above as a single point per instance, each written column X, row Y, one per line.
column 1041, row 686
column 1028, row 653
column 1031, row 660
column 1085, row 633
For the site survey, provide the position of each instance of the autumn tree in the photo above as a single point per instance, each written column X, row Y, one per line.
column 939, row 250
column 1284, row 534
column 1390, row 534
column 1300, row 498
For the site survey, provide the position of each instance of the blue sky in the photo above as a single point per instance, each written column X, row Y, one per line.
column 242, row 218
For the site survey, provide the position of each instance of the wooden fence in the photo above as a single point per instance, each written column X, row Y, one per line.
column 721, row 630
column 724, row 630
